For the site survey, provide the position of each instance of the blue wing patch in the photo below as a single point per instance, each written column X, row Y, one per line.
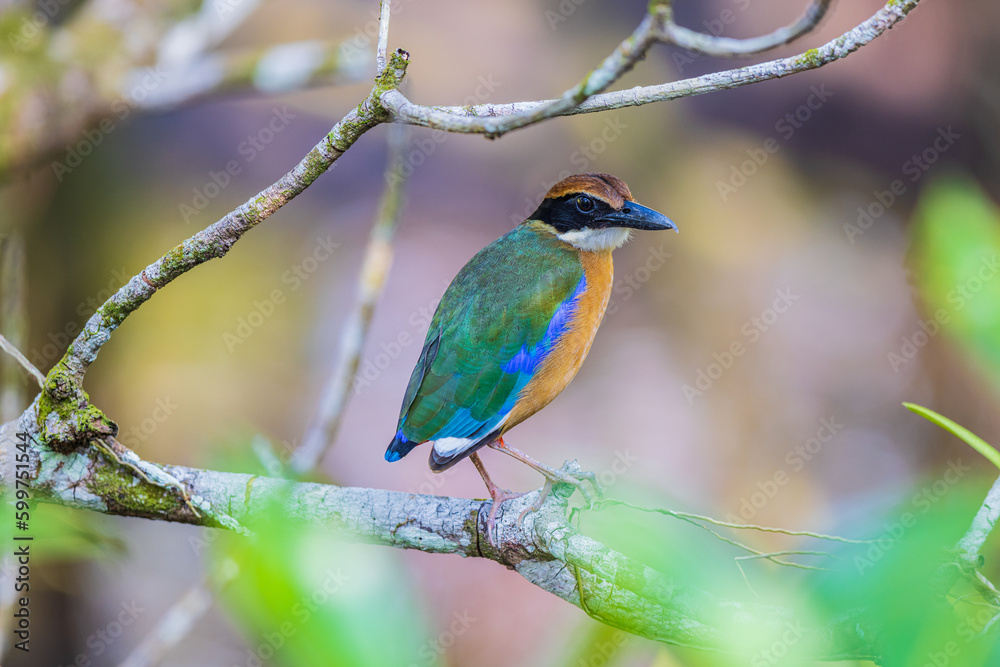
column 527, row 360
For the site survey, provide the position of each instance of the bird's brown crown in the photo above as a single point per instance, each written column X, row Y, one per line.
column 609, row 189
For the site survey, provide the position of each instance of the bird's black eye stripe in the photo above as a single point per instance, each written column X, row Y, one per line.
column 571, row 211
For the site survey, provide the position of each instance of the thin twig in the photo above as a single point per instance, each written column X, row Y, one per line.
column 746, row 579
column 179, row 620
column 9, row 348
column 371, row 282
column 726, row 524
column 790, row 552
column 381, row 61
column 727, row 47
column 739, row 545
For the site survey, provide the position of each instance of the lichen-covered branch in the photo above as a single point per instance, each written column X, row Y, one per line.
column 544, row 547
column 495, row 119
column 63, row 390
column 621, row 60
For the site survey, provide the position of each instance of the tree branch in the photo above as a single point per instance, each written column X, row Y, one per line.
column 385, row 102
column 971, row 544
column 544, row 547
column 22, row 360
column 64, row 382
column 494, row 120
column 512, row 117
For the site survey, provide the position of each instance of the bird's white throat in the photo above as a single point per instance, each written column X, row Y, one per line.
column 607, row 238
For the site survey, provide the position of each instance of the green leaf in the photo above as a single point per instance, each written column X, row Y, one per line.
column 965, row 434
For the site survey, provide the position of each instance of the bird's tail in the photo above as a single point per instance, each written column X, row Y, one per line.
column 399, row 447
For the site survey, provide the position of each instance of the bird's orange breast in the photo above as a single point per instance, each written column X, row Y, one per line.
column 566, row 357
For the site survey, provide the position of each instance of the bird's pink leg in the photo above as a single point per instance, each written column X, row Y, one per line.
column 552, row 475
column 496, row 493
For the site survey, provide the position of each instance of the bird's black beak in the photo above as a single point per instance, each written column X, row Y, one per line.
column 637, row 216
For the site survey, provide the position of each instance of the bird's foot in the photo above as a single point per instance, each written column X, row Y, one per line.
column 537, row 505
column 499, row 496
column 583, row 480
column 570, row 473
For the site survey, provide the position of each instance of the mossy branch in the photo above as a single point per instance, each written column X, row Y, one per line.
column 544, row 547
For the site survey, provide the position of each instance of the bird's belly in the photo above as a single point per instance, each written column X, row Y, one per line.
column 565, row 359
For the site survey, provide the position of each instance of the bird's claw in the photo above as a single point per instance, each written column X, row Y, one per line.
column 537, row 504
column 498, row 496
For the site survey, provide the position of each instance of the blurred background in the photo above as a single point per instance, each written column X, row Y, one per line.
column 833, row 261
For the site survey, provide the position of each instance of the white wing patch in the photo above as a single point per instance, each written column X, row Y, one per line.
column 591, row 240
column 447, row 447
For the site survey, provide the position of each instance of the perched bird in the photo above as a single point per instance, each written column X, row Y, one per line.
column 515, row 325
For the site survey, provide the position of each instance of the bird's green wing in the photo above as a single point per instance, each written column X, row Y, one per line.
column 495, row 324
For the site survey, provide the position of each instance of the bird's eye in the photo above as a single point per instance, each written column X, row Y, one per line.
column 584, row 204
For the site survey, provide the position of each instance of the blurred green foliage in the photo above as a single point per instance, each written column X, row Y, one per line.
column 955, row 259
column 304, row 597
column 62, row 534
column 898, row 578
column 905, row 582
